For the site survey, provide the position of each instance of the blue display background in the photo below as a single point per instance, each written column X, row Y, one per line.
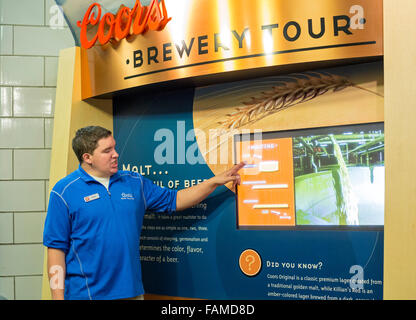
column 215, row 273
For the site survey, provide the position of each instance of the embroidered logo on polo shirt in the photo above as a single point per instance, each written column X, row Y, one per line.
column 127, row 196
column 92, row 197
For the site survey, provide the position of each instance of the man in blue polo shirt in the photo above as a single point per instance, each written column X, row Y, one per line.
column 95, row 214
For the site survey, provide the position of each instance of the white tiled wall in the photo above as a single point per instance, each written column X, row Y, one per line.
column 33, row 102
column 31, row 34
column 21, row 70
column 22, row 12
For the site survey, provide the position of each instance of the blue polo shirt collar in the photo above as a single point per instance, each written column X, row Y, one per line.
column 87, row 178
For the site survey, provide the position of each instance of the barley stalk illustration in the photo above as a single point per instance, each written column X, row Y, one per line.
column 284, row 94
column 300, row 88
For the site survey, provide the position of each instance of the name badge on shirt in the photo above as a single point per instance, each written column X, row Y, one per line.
column 92, row 197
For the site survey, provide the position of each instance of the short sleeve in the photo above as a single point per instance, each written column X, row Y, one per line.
column 158, row 199
column 56, row 233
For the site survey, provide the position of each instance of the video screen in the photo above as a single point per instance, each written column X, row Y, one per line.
column 330, row 177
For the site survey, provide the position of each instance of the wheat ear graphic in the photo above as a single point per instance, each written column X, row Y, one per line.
column 303, row 87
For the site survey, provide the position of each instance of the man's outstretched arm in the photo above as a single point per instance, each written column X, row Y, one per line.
column 186, row 198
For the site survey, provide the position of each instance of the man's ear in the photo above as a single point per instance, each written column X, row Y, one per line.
column 86, row 157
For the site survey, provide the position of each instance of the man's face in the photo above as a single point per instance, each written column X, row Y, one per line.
column 104, row 159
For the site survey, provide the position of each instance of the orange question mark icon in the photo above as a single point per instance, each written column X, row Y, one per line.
column 250, row 262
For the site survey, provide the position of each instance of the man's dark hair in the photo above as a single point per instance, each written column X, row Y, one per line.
column 86, row 140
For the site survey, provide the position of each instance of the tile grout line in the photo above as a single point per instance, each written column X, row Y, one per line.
column 29, row 55
column 44, row 71
column 32, row 25
column 12, row 164
column 13, row 40
column 13, row 229
column 23, row 244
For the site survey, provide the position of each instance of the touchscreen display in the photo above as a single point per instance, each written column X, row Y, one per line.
column 320, row 177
